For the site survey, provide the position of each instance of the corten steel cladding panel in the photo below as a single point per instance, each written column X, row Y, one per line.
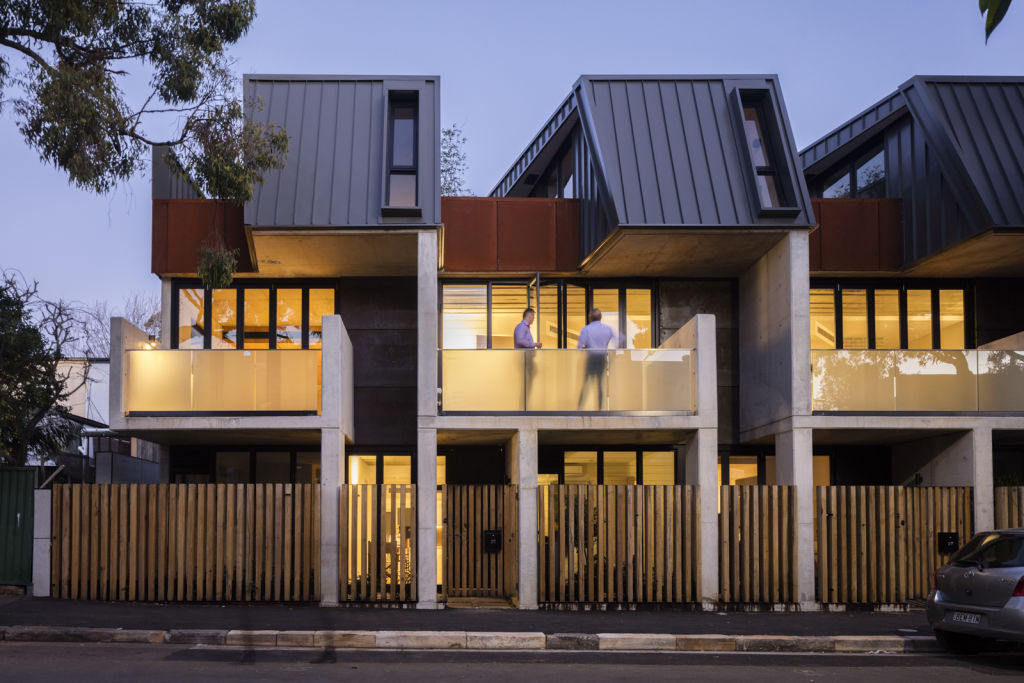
column 857, row 235
column 181, row 226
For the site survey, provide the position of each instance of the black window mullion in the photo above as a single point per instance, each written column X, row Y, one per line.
column 272, row 313
column 837, row 303
column 871, row 317
column 600, row 467
column 622, row 316
column 904, row 332
column 305, row 317
column 239, row 318
column 489, row 312
column 207, row 317
column 175, row 315
column 639, row 466
column 936, row 326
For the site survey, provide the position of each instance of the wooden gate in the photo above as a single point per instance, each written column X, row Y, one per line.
column 17, row 515
column 878, row 544
column 377, row 543
column 1009, row 507
column 186, row 542
column 757, row 544
column 618, row 544
column 470, row 570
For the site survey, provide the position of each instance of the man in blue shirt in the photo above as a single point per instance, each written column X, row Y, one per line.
column 522, row 338
column 595, row 337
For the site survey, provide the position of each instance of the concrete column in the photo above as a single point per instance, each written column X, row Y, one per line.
column 426, row 519
column 794, row 466
column 523, row 452
column 165, row 313
column 332, row 457
column 123, row 337
column 962, row 459
column 426, row 319
column 41, row 544
column 702, row 471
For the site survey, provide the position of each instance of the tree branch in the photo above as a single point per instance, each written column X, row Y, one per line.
column 36, row 57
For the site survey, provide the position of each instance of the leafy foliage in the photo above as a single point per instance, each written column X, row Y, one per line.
column 216, row 266
column 996, row 10
column 34, row 419
column 71, row 106
column 453, row 162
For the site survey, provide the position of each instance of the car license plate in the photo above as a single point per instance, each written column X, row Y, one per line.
column 967, row 618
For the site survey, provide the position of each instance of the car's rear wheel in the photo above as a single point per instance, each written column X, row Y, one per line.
column 958, row 643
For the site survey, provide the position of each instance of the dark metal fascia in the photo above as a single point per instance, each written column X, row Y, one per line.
column 539, row 142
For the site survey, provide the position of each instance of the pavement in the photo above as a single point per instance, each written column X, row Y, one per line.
column 310, row 626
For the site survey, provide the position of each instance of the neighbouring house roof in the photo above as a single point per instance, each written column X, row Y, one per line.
column 974, row 128
column 666, row 150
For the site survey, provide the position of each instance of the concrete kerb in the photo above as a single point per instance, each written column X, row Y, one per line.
column 476, row 640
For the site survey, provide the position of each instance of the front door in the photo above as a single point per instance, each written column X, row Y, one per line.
column 480, row 540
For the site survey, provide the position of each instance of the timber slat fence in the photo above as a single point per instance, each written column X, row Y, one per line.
column 757, row 544
column 468, row 511
column 1009, row 507
column 618, row 544
column 878, row 544
column 377, row 543
column 186, row 542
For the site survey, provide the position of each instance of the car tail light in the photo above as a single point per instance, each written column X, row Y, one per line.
column 1018, row 592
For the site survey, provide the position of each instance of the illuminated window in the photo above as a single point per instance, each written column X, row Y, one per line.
column 919, row 319
column 619, row 467
column 607, row 301
column 362, row 469
column 659, row 468
column 638, row 318
column 256, row 303
column 887, row 319
column 580, row 467
column 507, row 305
column 855, row 319
column 396, row 469
column 823, row 319
column 546, row 324
column 951, row 318
column 321, row 303
column 224, row 324
column 464, row 316
column 190, row 318
column 575, row 314
column 289, row 318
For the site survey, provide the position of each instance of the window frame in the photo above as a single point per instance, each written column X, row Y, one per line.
column 557, row 453
column 240, row 285
column 849, row 168
column 763, row 101
column 901, row 286
column 398, row 98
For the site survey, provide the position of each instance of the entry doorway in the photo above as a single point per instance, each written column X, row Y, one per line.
column 479, row 512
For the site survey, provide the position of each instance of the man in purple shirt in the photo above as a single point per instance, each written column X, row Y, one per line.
column 595, row 338
column 522, row 338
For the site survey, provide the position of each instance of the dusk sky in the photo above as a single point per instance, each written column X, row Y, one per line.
column 504, row 68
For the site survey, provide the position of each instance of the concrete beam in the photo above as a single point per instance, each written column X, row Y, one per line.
column 702, row 471
column 426, row 519
column 332, row 458
column 794, row 467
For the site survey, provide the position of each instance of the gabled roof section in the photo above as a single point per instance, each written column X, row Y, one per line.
column 335, row 171
column 668, row 150
column 974, row 126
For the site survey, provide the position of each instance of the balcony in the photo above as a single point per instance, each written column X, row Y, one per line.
column 569, row 381
column 170, row 382
column 954, row 381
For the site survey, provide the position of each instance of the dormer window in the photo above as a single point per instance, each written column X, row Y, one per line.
column 773, row 186
column 402, row 146
column 864, row 178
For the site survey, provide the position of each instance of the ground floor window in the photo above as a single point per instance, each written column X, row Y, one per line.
column 612, row 466
column 379, row 468
column 759, row 469
column 233, row 465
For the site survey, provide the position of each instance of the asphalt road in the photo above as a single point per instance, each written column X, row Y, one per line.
column 61, row 662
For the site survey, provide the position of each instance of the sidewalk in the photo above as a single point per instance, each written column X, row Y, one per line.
column 309, row 626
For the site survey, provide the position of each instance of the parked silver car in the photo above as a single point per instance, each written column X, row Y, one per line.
column 979, row 594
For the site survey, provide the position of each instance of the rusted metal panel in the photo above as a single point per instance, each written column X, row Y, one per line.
column 470, row 233
column 863, row 235
column 523, row 234
column 526, row 235
column 182, row 226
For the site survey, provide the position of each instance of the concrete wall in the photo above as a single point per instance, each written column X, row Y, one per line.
column 123, row 337
column 774, row 336
column 678, row 302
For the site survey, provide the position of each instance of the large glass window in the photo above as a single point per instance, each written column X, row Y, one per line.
column 919, row 319
column 321, row 303
column 638, row 319
column 575, row 313
column 863, row 177
column 274, row 467
column 255, row 314
column 887, row 319
column 823, row 319
column 619, row 467
column 607, row 301
column 771, row 178
column 890, row 316
column 257, row 318
column 546, row 324
column 465, row 316
column 659, row 467
column 362, row 469
column 232, row 468
column 855, row 319
column 190, row 318
column 307, row 468
column 951, row 318
column 871, row 175
column 366, row 468
column 507, row 305
column 580, row 467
